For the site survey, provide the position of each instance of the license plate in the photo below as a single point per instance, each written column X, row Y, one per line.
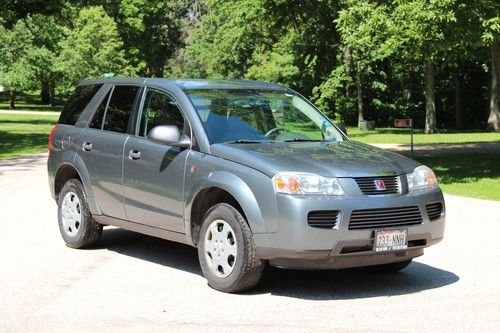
column 390, row 240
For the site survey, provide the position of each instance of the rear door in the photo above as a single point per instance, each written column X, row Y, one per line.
column 153, row 174
column 101, row 148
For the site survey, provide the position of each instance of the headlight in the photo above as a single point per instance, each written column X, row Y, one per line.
column 421, row 178
column 306, row 183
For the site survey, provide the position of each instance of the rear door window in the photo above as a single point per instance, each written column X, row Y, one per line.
column 120, row 108
column 77, row 103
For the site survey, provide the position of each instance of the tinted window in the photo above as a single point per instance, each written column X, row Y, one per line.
column 119, row 108
column 260, row 115
column 99, row 113
column 77, row 103
column 159, row 109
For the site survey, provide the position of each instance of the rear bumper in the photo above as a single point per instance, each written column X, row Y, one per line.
column 297, row 245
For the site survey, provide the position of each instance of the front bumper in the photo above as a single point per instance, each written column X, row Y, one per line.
column 297, row 245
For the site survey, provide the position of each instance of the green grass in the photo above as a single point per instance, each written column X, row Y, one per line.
column 469, row 175
column 24, row 134
column 402, row 136
column 29, row 103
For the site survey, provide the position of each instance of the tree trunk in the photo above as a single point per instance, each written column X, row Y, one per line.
column 12, row 99
column 359, row 93
column 52, row 93
column 430, row 97
column 45, row 92
column 348, row 87
column 458, row 99
column 494, row 118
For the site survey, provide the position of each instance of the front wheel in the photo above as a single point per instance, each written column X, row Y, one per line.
column 226, row 250
column 77, row 226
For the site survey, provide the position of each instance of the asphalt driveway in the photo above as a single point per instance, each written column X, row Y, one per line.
column 133, row 282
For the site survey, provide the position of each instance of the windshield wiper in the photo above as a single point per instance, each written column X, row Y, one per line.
column 245, row 141
column 302, row 140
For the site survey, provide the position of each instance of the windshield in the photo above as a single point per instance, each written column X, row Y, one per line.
column 249, row 115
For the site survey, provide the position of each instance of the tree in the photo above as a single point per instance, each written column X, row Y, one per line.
column 225, row 39
column 42, row 54
column 288, row 41
column 11, row 11
column 93, row 47
column 15, row 74
column 422, row 31
column 151, row 30
column 491, row 37
column 363, row 27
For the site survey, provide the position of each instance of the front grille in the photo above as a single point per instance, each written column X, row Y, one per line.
column 326, row 219
column 368, row 186
column 434, row 210
column 385, row 217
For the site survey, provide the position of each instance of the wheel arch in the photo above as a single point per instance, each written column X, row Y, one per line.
column 222, row 187
column 75, row 170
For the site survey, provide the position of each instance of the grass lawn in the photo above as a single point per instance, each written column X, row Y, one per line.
column 469, row 175
column 472, row 175
column 402, row 135
column 24, row 134
column 29, row 103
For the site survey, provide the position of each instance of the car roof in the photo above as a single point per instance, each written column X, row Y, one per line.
column 189, row 84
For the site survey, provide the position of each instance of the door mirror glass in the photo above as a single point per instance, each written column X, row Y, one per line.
column 168, row 135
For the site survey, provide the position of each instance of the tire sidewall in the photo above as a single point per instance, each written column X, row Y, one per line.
column 76, row 187
column 237, row 223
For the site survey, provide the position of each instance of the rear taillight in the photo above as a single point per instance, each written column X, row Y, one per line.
column 51, row 137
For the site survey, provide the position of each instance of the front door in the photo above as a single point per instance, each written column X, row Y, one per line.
column 153, row 174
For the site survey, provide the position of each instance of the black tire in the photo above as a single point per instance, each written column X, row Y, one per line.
column 247, row 270
column 391, row 268
column 88, row 231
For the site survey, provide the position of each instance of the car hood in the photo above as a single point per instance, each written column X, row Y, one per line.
column 340, row 159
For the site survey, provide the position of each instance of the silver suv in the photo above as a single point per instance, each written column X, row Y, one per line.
column 248, row 172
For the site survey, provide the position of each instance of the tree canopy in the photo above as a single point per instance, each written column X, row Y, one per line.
column 436, row 61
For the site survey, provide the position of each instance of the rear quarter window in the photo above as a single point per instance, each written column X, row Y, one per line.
column 77, row 103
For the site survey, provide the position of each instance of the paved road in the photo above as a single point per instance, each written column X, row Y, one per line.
column 138, row 283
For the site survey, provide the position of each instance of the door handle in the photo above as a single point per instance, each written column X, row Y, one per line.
column 134, row 154
column 87, row 146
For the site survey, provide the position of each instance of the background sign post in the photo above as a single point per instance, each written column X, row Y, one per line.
column 406, row 123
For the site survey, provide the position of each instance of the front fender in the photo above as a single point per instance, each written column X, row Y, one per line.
column 238, row 189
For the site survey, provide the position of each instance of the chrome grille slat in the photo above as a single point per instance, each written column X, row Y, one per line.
column 385, row 217
column 368, row 187
column 371, row 215
column 434, row 210
column 382, row 219
column 326, row 219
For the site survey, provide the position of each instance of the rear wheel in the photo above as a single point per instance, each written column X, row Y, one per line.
column 77, row 227
column 392, row 267
column 226, row 250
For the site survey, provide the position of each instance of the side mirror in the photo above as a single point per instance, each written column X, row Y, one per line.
column 342, row 128
column 169, row 135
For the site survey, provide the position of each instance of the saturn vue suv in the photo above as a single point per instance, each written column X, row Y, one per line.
column 250, row 173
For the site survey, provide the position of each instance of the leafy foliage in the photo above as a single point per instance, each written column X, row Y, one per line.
column 93, row 47
column 357, row 59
